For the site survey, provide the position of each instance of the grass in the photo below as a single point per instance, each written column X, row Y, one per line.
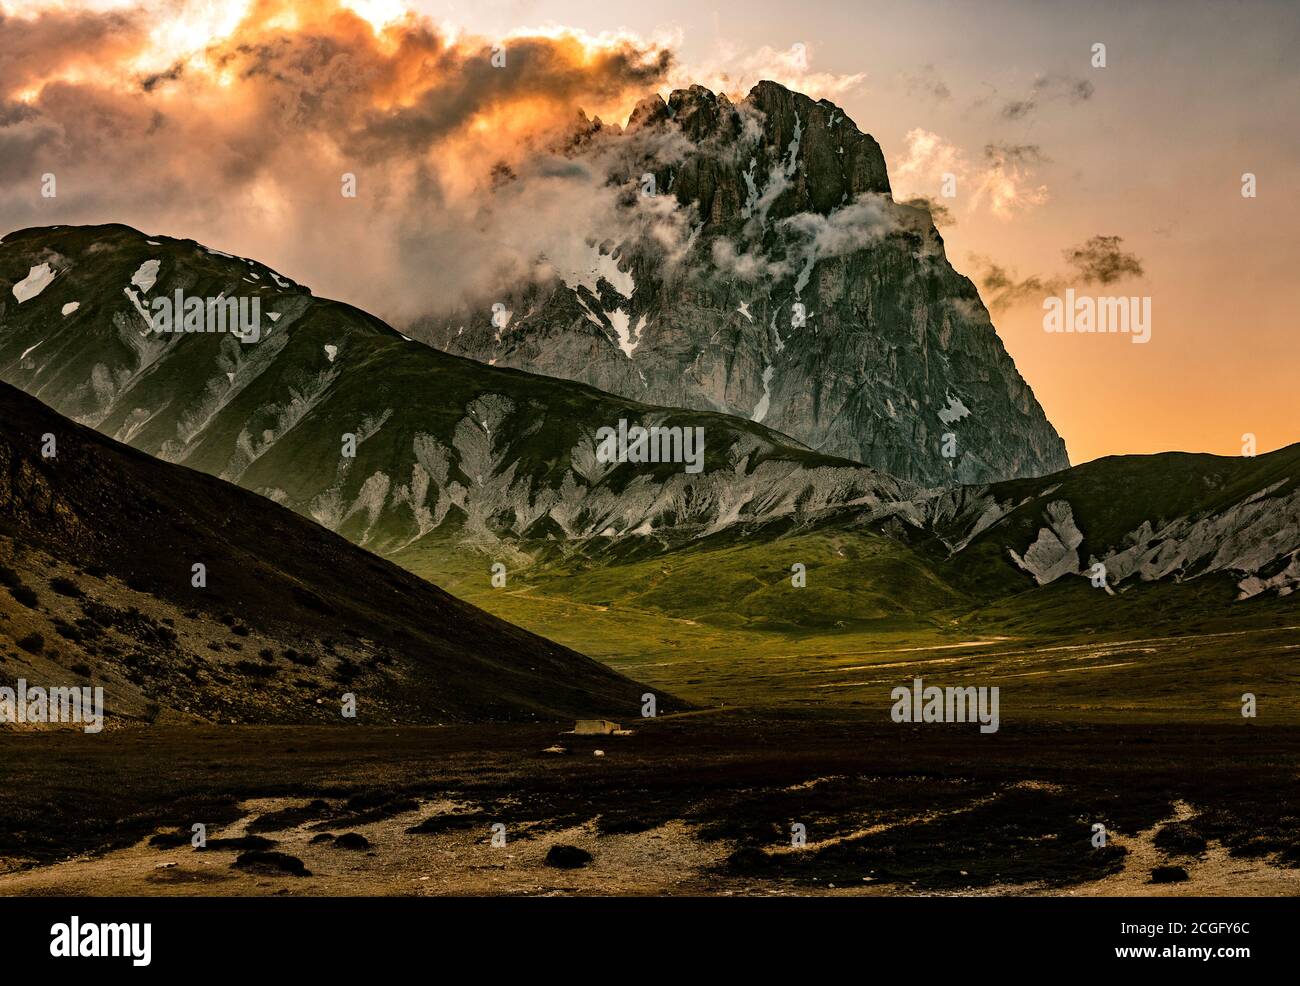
column 720, row 623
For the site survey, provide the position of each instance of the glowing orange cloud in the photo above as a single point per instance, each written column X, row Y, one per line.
column 235, row 122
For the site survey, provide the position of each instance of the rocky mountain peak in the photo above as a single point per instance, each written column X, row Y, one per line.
column 782, row 283
column 648, row 112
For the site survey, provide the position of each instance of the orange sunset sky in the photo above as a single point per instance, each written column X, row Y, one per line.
column 214, row 119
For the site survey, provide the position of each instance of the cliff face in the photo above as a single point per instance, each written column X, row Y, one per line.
column 804, row 297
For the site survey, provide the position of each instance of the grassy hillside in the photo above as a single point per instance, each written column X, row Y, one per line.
column 719, row 620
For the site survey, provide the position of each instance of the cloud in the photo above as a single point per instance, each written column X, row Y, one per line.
column 1019, row 155
column 940, row 214
column 927, row 84
column 926, row 159
column 1004, row 183
column 1048, row 88
column 1101, row 260
column 234, row 122
column 735, row 72
column 1003, row 289
column 747, row 266
column 62, row 40
column 864, row 221
column 1007, row 181
column 241, row 140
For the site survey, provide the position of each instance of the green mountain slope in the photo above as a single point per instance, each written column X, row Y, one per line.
column 449, row 452
column 1173, row 516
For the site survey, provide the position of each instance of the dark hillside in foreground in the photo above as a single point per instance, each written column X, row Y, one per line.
column 97, row 548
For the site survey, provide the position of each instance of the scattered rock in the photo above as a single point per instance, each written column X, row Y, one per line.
column 1180, row 839
column 437, row 824
column 1168, row 874
column 372, row 806
column 749, row 858
column 271, row 863
column 567, row 857
column 289, row 817
column 170, row 839
column 556, row 749
column 351, row 840
column 323, row 837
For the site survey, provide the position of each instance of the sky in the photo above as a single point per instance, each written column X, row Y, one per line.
column 230, row 120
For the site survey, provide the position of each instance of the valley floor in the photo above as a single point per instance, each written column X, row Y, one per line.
column 1122, row 670
column 702, row 803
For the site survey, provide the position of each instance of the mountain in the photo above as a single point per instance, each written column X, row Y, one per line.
column 1200, row 551
column 460, row 466
column 97, row 548
column 802, row 295
column 1174, row 517
column 394, row 445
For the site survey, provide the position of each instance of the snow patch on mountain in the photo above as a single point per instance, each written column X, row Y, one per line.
column 628, row 337
column 751, row 189
column 147, row 276
column 500, row 319
column 764, row 402
column 36, row 281
column 594, row 265
column 792, row 153
column 954, row 411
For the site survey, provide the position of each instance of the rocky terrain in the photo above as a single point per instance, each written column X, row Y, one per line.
column 691, row 805
column 792, row 289
column 1122, row 521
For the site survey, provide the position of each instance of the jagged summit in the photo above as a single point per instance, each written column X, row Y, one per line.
column 792, row 290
